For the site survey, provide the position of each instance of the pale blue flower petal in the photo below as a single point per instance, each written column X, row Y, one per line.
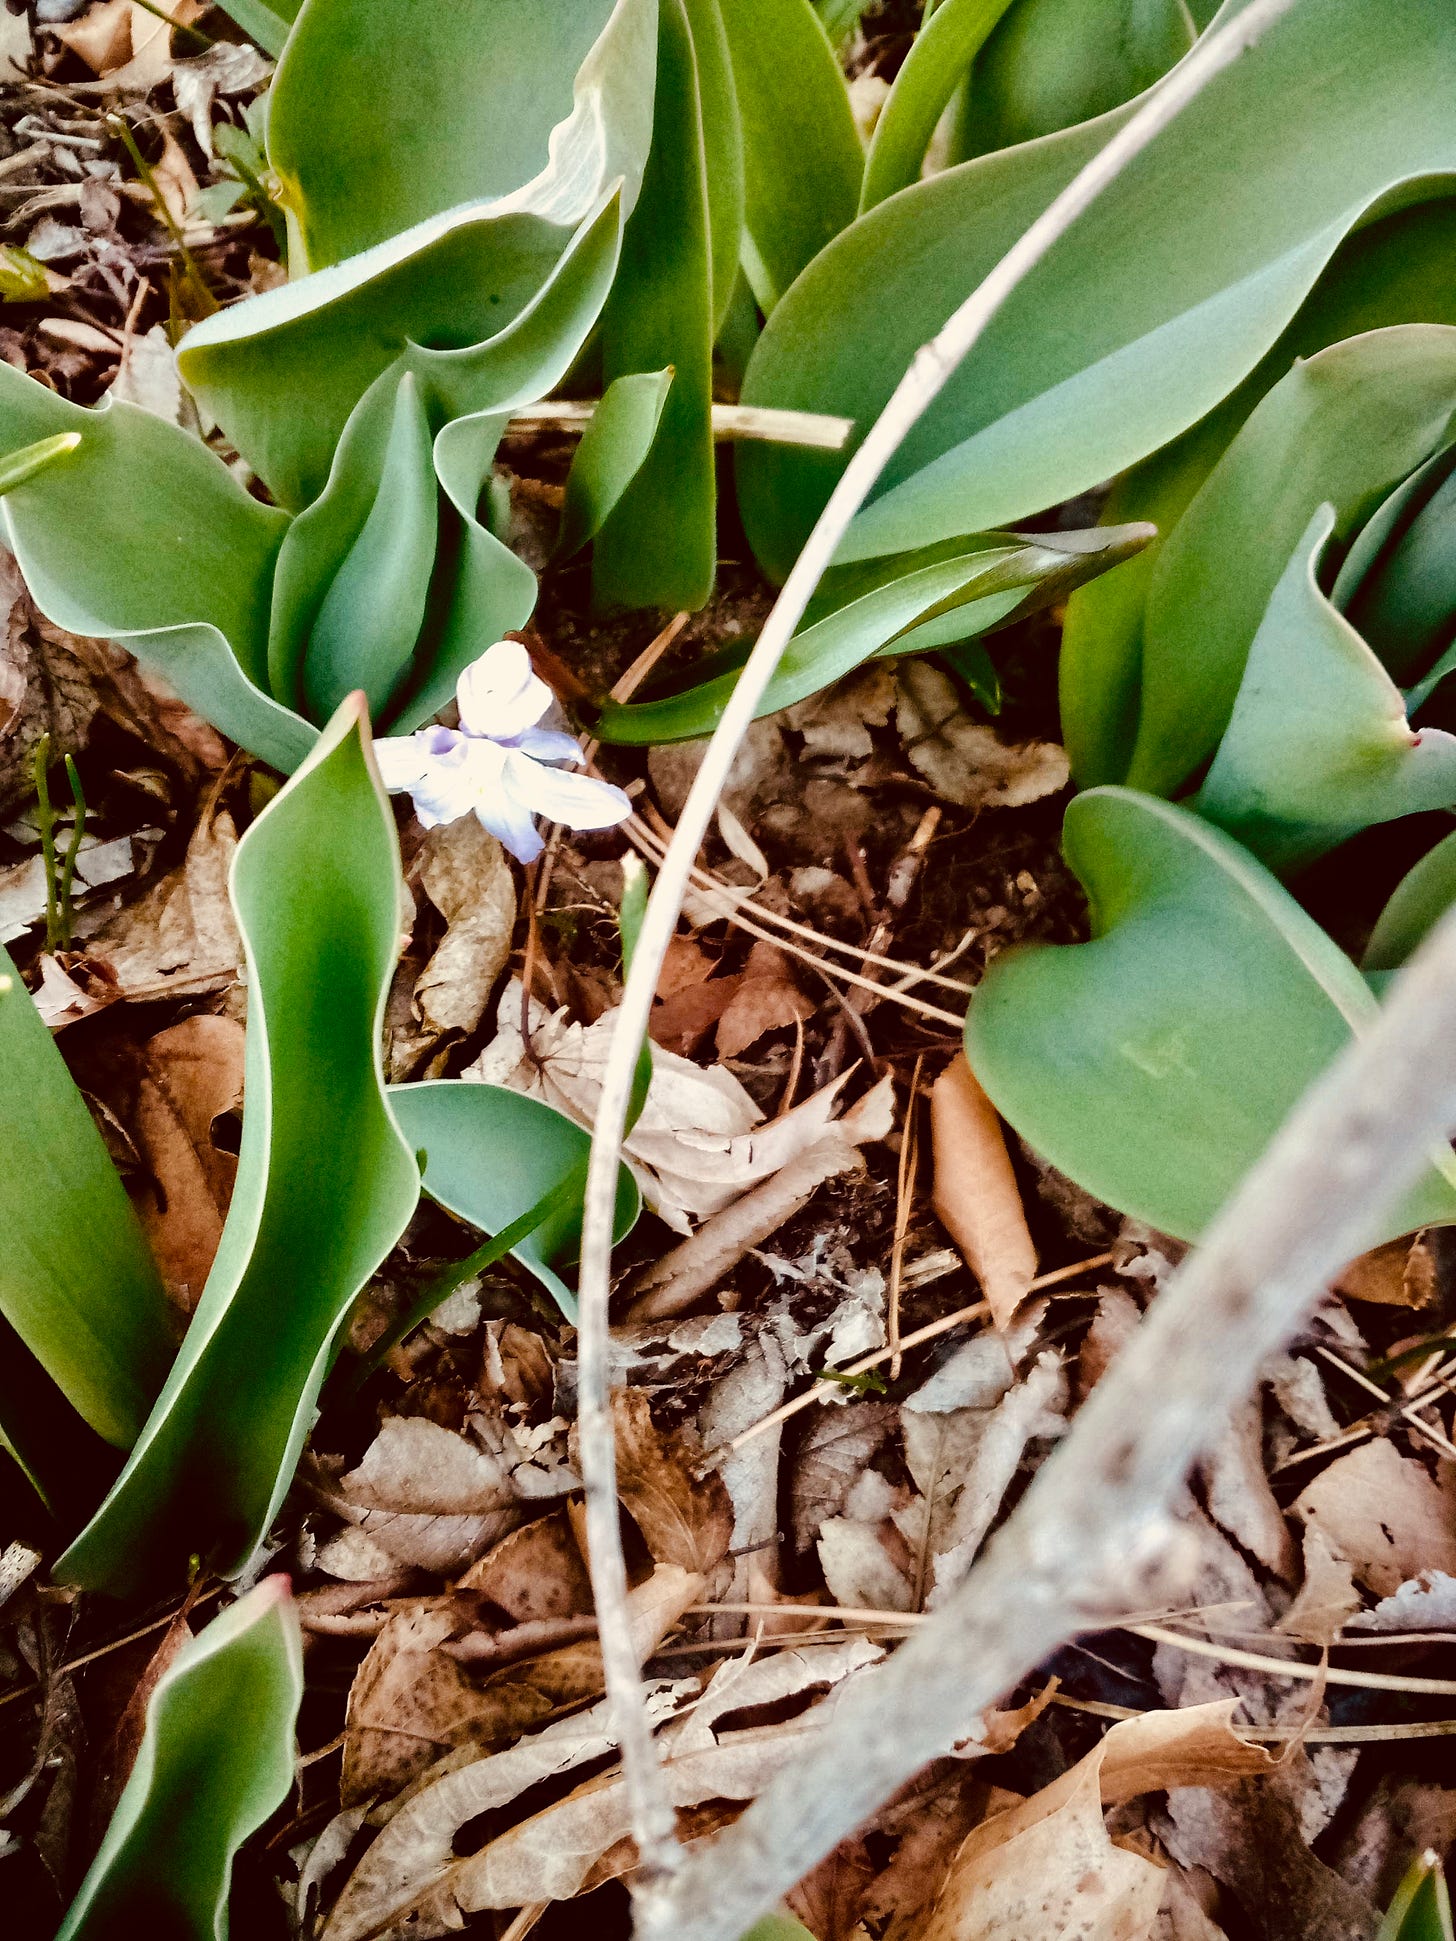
column 499, row 696
column 580, row 801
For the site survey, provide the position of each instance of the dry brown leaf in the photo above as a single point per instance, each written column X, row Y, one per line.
column 410, row 1702
column 700, row 1141
column 147, row 375
column 681, row 1021
column 767, row 999
column 180, row 937
column 467, row 878
column 683, row 1521
column 535, row 1572
column 966, row 761
column 1327, row 1598
column 426, row 1496
column 1048, row 1867
column 1383, row 1514
column 44, row 689
column 102, row 36
column 1401, row 1273
column 118, row 1756
column 976, row 1196
column 415, row 1849
column 867, row 1563
column 192, row 1076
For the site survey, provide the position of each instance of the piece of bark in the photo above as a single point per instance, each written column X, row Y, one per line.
column 976, row 1196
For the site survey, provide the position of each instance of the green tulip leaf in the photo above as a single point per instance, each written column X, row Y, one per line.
column 325, row 1185
column 1405, row 606
column 940, row 57
column 1421, row 898
column 722, row 148
column 481, row 304
column 216, row 1761
column 177, row 559
column 658, row 547
column 1342, row 427
column 612, row 451
column 1048, row 66
column 533, row 106
column 371, row 613
column 1395, row 271
column 1154, row 1064
column 267, row 25
column 1177, row 292
column 490, row 1154
column 1421, row 1910
column 1318, row 746
column 887, row 607
column 802, row 159
column 77, row 1283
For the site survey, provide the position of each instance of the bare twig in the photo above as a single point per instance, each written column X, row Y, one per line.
column 765, row 423
column 652, row 1818
column 1098, row 1514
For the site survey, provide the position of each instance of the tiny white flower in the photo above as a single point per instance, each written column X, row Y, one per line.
column 495, row 764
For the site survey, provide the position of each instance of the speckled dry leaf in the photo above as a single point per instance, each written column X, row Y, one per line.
column 467, row 878
column 1048, row 1867
column 535, row 1572
column 966, row 761
column 976, row 1194
column 834, row 1453
column 1402, row 1273
column 410, row 1702
column 1383, row 1514
column 193, row 1075
column 683, row 1521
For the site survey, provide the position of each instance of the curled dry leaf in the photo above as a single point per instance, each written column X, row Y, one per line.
column 426, row 1496
column 976, row 1195
column 1048, row 1866
column 466, row 876
column 966, row 761
column 192, row 1076
column 1327, row 1598
column 700, row 1141
column 1383, row 1514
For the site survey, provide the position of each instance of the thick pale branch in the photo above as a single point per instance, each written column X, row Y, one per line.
column 933, row 365
column 1075, row 1554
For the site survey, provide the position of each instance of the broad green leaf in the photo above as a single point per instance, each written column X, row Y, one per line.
column 939, row 59
column 177, row 558
column 659, row 546
column 1406, row 605
column 267, row 25
column 1152, row 308
column 1395, row 271
column 1049, row 66
column 612, row 451
column 1417, row 904
column 77, row 1283
column 531, row 105
column 479, row 303
column 1318, row 746
column 722, row 148
column 490, row 1154
column 1342, row 427
column 1155, row 1063
column 215, row 1763
column 839, row 18
column 325, row 1183
column 905, row 607
column 1421, row 1910
column 802, row 158
column 366, row 625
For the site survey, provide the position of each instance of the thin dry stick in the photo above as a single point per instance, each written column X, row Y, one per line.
column 1101, row 1510
column 904, row 1200
column 651, row 1814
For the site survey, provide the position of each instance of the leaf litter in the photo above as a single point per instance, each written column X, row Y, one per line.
column 435, row 1534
